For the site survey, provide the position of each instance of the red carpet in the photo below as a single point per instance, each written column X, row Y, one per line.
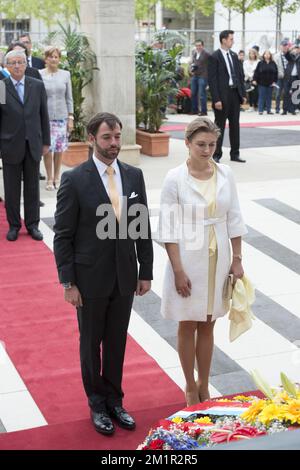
column 182, row 127
column 41, row 336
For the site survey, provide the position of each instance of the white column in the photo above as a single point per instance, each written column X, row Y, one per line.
column 158, row 15
column 110, row 27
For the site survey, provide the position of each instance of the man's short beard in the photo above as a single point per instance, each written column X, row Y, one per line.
column 105, row 153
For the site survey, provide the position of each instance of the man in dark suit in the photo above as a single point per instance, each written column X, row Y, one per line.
column 228, row 93
column 32, row 61
column 24, row 137
column 98, row 240
column 29, row 72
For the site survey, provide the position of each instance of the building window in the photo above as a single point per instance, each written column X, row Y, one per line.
column 13, row 29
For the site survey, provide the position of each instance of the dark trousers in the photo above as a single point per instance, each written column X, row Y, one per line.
column 12, row 177
column 253, row 97
column 231, row 112
column 103, row 324
column 288, row 105
column 279, row 93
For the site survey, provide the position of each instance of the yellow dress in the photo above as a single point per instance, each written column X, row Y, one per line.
column 207, row 189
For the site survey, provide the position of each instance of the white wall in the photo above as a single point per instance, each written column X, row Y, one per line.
column 260, row 27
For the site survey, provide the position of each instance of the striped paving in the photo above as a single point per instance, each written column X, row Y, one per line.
column 271, row 260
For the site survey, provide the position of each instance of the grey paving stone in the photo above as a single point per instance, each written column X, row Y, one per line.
column 255, row 137
column 280, row 208
column 49, row 221
column 233, row 382
column 277, row 317
column 275, row 250
column 2, row 428
column 222, row 364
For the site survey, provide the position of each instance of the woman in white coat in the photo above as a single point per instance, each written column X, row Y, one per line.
column 202, row 227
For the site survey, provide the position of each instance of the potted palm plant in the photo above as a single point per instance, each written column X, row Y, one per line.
column 156, row 71
column 79, row 59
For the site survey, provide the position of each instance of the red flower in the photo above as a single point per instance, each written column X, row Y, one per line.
column 235, row 433
column 156, row 444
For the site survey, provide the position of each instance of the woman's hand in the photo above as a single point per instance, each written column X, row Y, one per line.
column 70, row 124
column 236, row 269
column 183, row 284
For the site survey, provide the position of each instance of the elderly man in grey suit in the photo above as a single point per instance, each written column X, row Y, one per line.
column 24, row 137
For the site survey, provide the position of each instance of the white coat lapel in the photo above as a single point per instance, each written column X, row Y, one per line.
column 221, row 180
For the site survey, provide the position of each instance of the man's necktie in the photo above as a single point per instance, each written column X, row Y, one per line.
column 20, row 91
column 233, row 74
column 113, row 191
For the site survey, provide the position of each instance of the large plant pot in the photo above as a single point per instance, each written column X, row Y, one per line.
column 154, row 145
column 77, row 153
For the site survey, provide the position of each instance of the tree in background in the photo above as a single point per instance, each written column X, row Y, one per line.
column 243, row 7
column 191, row 7
column 280, row 7
column 46, row 10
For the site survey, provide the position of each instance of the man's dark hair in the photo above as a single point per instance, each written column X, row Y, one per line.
column 23, row 35
column 95, row 122
column 241, row 51
column 224, row 34
column 199, row 40
column 13, row 44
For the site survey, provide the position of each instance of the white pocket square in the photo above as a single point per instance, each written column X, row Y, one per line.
column 133, row 195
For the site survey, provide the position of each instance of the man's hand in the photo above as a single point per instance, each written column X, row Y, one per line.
column 218, row 105
column 45, row 149
column 142, row 287
column 73, row 296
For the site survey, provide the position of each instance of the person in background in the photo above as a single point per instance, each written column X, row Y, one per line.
column 226, row 83
column 292, row 74
column 249, row 66
column 60, row 106
column 32, row 61
column 19, row 46
column 198, row 266
column 265, row 76
column 281, row 62
column 241, row 57
column 24, row 137
column 29, row 72
column 198, row 70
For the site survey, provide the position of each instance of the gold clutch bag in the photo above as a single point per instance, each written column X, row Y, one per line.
column 227, row 292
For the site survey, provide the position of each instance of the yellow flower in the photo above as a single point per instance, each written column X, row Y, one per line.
column 204, row 420
column 243, row 398
column 282, row 397
column 177, row 420
column 291, row 412
column 269, row 413
column 253, row 411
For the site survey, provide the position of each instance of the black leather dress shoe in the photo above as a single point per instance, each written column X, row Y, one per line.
column 36, row 234
column 42, row 177
column 122, row 417
column 102, row 422
column 238, row 159
column 12, row 235
column 41, row 204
